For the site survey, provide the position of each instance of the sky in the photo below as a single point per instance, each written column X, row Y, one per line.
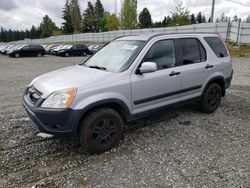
column 22, row 14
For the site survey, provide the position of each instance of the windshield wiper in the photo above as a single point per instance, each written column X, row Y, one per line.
column 98, row 67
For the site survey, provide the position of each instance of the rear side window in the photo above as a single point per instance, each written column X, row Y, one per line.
column 217, row 46
column 192, row 51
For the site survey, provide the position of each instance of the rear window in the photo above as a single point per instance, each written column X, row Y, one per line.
column 217, row 46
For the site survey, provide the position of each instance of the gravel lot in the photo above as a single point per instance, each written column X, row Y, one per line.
column 177, row 148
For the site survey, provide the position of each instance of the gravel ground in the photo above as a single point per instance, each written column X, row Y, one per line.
column 177, row 148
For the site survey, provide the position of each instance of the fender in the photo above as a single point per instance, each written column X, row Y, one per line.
column 125, row 112
column 221, row 78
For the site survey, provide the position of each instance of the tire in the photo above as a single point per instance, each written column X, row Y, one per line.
column 84, row 54
column 66, row 54
column 101, row 130
column 39, row 55
column 17, row 55
column 211, row 98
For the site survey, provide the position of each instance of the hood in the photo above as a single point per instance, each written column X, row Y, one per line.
column 77, row 76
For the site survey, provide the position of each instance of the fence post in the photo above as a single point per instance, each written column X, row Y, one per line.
column 228, row 30
column 238, row 33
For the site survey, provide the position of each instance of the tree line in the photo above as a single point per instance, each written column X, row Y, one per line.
column 96, row 19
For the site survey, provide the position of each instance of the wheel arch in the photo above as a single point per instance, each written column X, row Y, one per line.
column 115, row 104
column 220, row 80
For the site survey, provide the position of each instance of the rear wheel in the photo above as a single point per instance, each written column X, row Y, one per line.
column 17, row 55
column 84, row 54
column 66, row 54
column 101, row 130
column 211, row 98
column 39, row 55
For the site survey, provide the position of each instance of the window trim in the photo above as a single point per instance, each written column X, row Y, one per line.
column 181, row 54
column 177, row 57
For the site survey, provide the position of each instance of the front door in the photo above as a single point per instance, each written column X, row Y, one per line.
column 159, row 88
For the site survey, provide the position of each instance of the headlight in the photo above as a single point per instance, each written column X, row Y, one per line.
column 60, row 99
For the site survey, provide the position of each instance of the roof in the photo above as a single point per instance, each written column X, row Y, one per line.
column 147, row 37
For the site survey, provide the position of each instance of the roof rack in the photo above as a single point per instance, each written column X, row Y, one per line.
column 162, row 34
column 124, row 36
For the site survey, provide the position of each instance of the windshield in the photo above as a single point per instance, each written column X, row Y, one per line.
column 116, row 56
column 67, row 46
column 19, row 47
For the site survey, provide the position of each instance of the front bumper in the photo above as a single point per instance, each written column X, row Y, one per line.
column 58, row 122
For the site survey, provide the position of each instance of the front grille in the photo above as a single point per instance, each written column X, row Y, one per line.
column 33, row 94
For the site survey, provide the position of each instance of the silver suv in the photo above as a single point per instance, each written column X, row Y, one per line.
column 129, row 78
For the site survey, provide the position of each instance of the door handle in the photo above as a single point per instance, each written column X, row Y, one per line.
column 174, row 73
column 209, row 66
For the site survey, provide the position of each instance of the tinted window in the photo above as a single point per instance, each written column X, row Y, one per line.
column 192, row 51
column 217, row 46
column 162, row 53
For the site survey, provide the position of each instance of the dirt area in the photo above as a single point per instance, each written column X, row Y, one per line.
column 176, row 148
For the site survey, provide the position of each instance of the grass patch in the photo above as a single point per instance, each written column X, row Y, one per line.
column 239, row 51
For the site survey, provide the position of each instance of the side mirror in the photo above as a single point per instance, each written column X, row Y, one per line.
column 147, row 67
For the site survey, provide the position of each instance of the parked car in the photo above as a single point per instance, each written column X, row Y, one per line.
column 94, row 48
column 16, row 47
column 49, row 48
column 56, row 49
column 74, row 50
column 6, row 48
column 28, row 50
column 129, row 78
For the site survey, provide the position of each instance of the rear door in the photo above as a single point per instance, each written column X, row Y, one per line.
column 159, row 88
column 25, row 51
column 195, row 67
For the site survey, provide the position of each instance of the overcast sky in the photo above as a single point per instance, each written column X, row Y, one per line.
column 22, row 14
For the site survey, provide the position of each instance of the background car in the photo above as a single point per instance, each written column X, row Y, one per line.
column 56, row 49
column 5, row 48
column 74, row 50
column 28, row 50
column 94, row 48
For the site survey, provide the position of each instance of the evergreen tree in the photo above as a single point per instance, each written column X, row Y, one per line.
column 89, row 21
column 248, row 19
column 75, row 15
column 145, row 19
column 193, row 19
column 129, row 14
column 223, row 17
column 47, row 27
column 67, row 25
column 158, row 24
column 199, row 17
column 34, row 32
column 167, row 21
column 235, row 18
column 99, row 13
column 204, row 20
column 180, row 16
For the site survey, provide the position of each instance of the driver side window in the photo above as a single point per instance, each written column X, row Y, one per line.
column 162, row 53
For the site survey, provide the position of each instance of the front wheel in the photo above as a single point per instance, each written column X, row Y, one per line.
column 17, row 55
column 211, row 98
column 39, row 55
column 101, row 130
